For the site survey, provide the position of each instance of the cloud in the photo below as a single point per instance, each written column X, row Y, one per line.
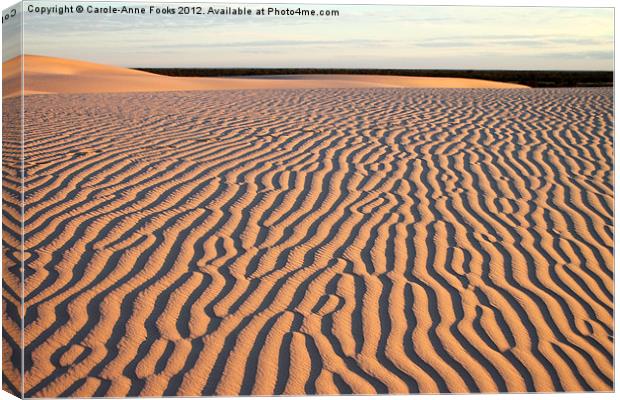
column 363, row 36
column 531, row 41
column 11, row 36
column 276, row 43
column 583, row 55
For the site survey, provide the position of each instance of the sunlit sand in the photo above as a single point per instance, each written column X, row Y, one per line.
column 345, row 235
column 56, row 75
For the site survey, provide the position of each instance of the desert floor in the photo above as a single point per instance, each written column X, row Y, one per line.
column 352, row 240
column 59, row 75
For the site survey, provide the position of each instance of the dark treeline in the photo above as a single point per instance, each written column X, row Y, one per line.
column 530, row 78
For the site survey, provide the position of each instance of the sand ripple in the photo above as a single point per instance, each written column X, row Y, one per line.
column 317, row 241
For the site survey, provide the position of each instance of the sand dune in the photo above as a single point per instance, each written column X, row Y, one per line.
column 57, row 75
column 317, row 241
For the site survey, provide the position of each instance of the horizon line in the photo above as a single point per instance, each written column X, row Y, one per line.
column 383, row 69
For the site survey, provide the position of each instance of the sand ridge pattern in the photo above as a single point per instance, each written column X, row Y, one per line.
column 319, row 241
column 12, row 283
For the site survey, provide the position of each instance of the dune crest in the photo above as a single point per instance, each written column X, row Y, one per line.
column 57, row 75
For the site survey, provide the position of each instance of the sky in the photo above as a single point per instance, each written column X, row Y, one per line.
column 407, row 37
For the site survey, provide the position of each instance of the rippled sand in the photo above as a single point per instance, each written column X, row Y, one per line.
column 315, row 241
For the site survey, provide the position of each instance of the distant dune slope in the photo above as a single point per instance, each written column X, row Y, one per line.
column 57, row 75
column 317, row 241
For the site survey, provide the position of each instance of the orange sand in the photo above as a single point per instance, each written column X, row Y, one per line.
column 56, row 75
column 351, row 240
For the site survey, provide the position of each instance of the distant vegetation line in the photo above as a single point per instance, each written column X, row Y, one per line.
column 530, row 78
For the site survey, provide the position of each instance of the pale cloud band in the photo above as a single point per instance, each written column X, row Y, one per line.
column 361, row 37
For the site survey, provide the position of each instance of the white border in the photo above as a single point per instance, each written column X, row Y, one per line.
column 536, row 3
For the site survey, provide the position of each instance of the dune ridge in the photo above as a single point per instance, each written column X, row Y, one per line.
column 292, row 242
column 57, row 75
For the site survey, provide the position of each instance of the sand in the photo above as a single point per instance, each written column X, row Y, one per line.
column 57, row 75
column 350, row 240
